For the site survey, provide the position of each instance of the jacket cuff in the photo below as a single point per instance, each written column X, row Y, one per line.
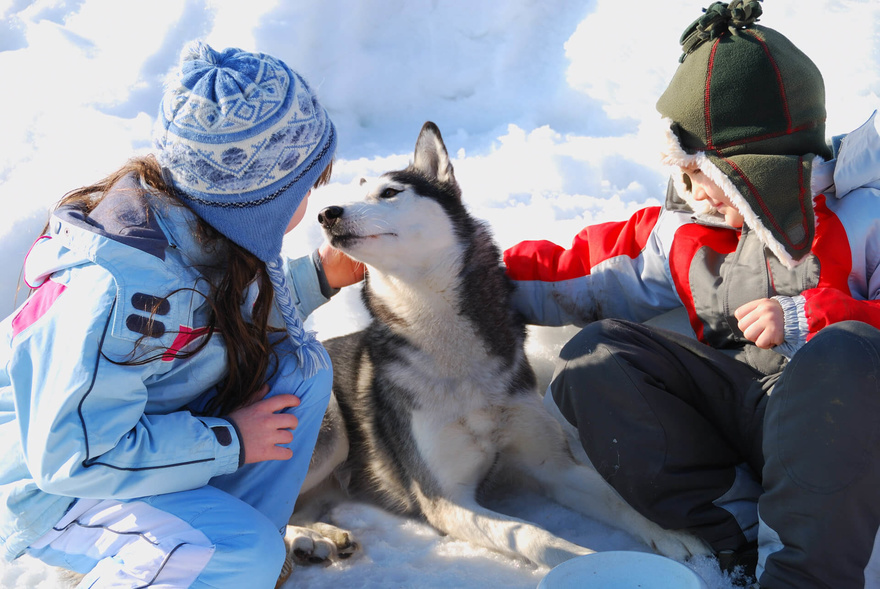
column 228, row 449
column 326, row 290
column 234, row 425
column 795, row 325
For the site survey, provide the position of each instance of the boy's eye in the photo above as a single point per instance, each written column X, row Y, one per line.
column 389, row 193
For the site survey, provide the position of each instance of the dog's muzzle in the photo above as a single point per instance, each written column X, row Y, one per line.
column 328, row 216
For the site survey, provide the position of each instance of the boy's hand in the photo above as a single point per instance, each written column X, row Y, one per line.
column 340, row 269
column 262, row 428
column 762, row 321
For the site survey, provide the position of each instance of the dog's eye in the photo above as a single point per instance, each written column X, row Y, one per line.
column 390, row 193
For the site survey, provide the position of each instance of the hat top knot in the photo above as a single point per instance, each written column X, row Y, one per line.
column 717, row 20
column 198, row 50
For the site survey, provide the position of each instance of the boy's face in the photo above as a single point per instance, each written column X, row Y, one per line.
column 702, row 188
column 298, row 214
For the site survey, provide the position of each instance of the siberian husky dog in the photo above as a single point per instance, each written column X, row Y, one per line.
column 436, row 399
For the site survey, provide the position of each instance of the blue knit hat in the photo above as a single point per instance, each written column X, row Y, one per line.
column 242, row 139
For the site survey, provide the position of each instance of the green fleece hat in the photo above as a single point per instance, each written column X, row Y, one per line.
column 748, row 108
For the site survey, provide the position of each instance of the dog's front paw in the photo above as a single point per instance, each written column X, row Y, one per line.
column 342, row 543
column 319, row 543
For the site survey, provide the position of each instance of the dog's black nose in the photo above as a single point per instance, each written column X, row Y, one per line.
column 327, row 217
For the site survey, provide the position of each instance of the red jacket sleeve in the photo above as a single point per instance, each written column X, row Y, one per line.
column 614, row 269
column 835, row 298
column 548, row 262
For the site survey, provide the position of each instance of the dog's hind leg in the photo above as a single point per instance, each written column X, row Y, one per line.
column 465, row 519
column 547, row 459
column 583, row 489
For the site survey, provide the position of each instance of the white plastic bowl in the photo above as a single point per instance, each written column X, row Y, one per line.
column 622, row 570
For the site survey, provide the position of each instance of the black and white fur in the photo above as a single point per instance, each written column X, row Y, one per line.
column 436, row 399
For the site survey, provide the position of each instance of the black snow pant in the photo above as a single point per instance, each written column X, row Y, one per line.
column 678, row 428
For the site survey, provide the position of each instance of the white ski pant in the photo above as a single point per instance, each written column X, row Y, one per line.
column 226, row 534
column 199, row 538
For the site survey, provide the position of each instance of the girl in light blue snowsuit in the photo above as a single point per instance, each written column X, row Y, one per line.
column 159, row 397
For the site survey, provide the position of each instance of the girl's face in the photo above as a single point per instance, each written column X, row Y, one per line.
column 702, row 188
column 299, row 213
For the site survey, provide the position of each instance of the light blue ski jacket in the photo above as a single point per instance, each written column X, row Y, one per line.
column 74, row 421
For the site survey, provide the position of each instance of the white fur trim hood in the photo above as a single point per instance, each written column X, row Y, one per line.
column 675, row 158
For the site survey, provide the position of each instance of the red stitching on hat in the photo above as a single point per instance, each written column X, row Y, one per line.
column 778, row 78
column 767, row 211
column 746, row 140
column 706, row 113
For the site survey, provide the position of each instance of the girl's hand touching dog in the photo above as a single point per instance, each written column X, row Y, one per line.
column 340, row 269
column 262, row 428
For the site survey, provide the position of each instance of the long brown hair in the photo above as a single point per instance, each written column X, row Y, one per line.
column 250, row 346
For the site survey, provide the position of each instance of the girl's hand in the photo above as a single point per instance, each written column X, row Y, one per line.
column 762, row 321
column 262, row 428
column 340, row 269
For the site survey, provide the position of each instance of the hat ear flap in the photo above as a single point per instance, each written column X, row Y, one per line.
column 431, row 157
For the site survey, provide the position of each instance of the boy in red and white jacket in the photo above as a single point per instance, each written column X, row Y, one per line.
column 754, row 425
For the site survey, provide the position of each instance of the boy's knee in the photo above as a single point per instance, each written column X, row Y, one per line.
column 582, row 369
column 589, row 338
column 848, row 343
column 582, row 359
column 822, row 415
column 842, row 362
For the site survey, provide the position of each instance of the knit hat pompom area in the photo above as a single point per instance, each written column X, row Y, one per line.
column 242, row 139
column 752, row 106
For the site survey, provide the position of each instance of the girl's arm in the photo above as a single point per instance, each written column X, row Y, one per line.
column 87, row 425
column 314, row 279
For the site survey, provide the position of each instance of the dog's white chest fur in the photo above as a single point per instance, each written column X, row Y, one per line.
column 457, row 446
column 427, row 314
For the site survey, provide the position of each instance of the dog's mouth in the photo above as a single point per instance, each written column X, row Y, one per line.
column 343, row 240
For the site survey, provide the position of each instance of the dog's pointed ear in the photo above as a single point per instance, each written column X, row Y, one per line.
column 431, row 157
